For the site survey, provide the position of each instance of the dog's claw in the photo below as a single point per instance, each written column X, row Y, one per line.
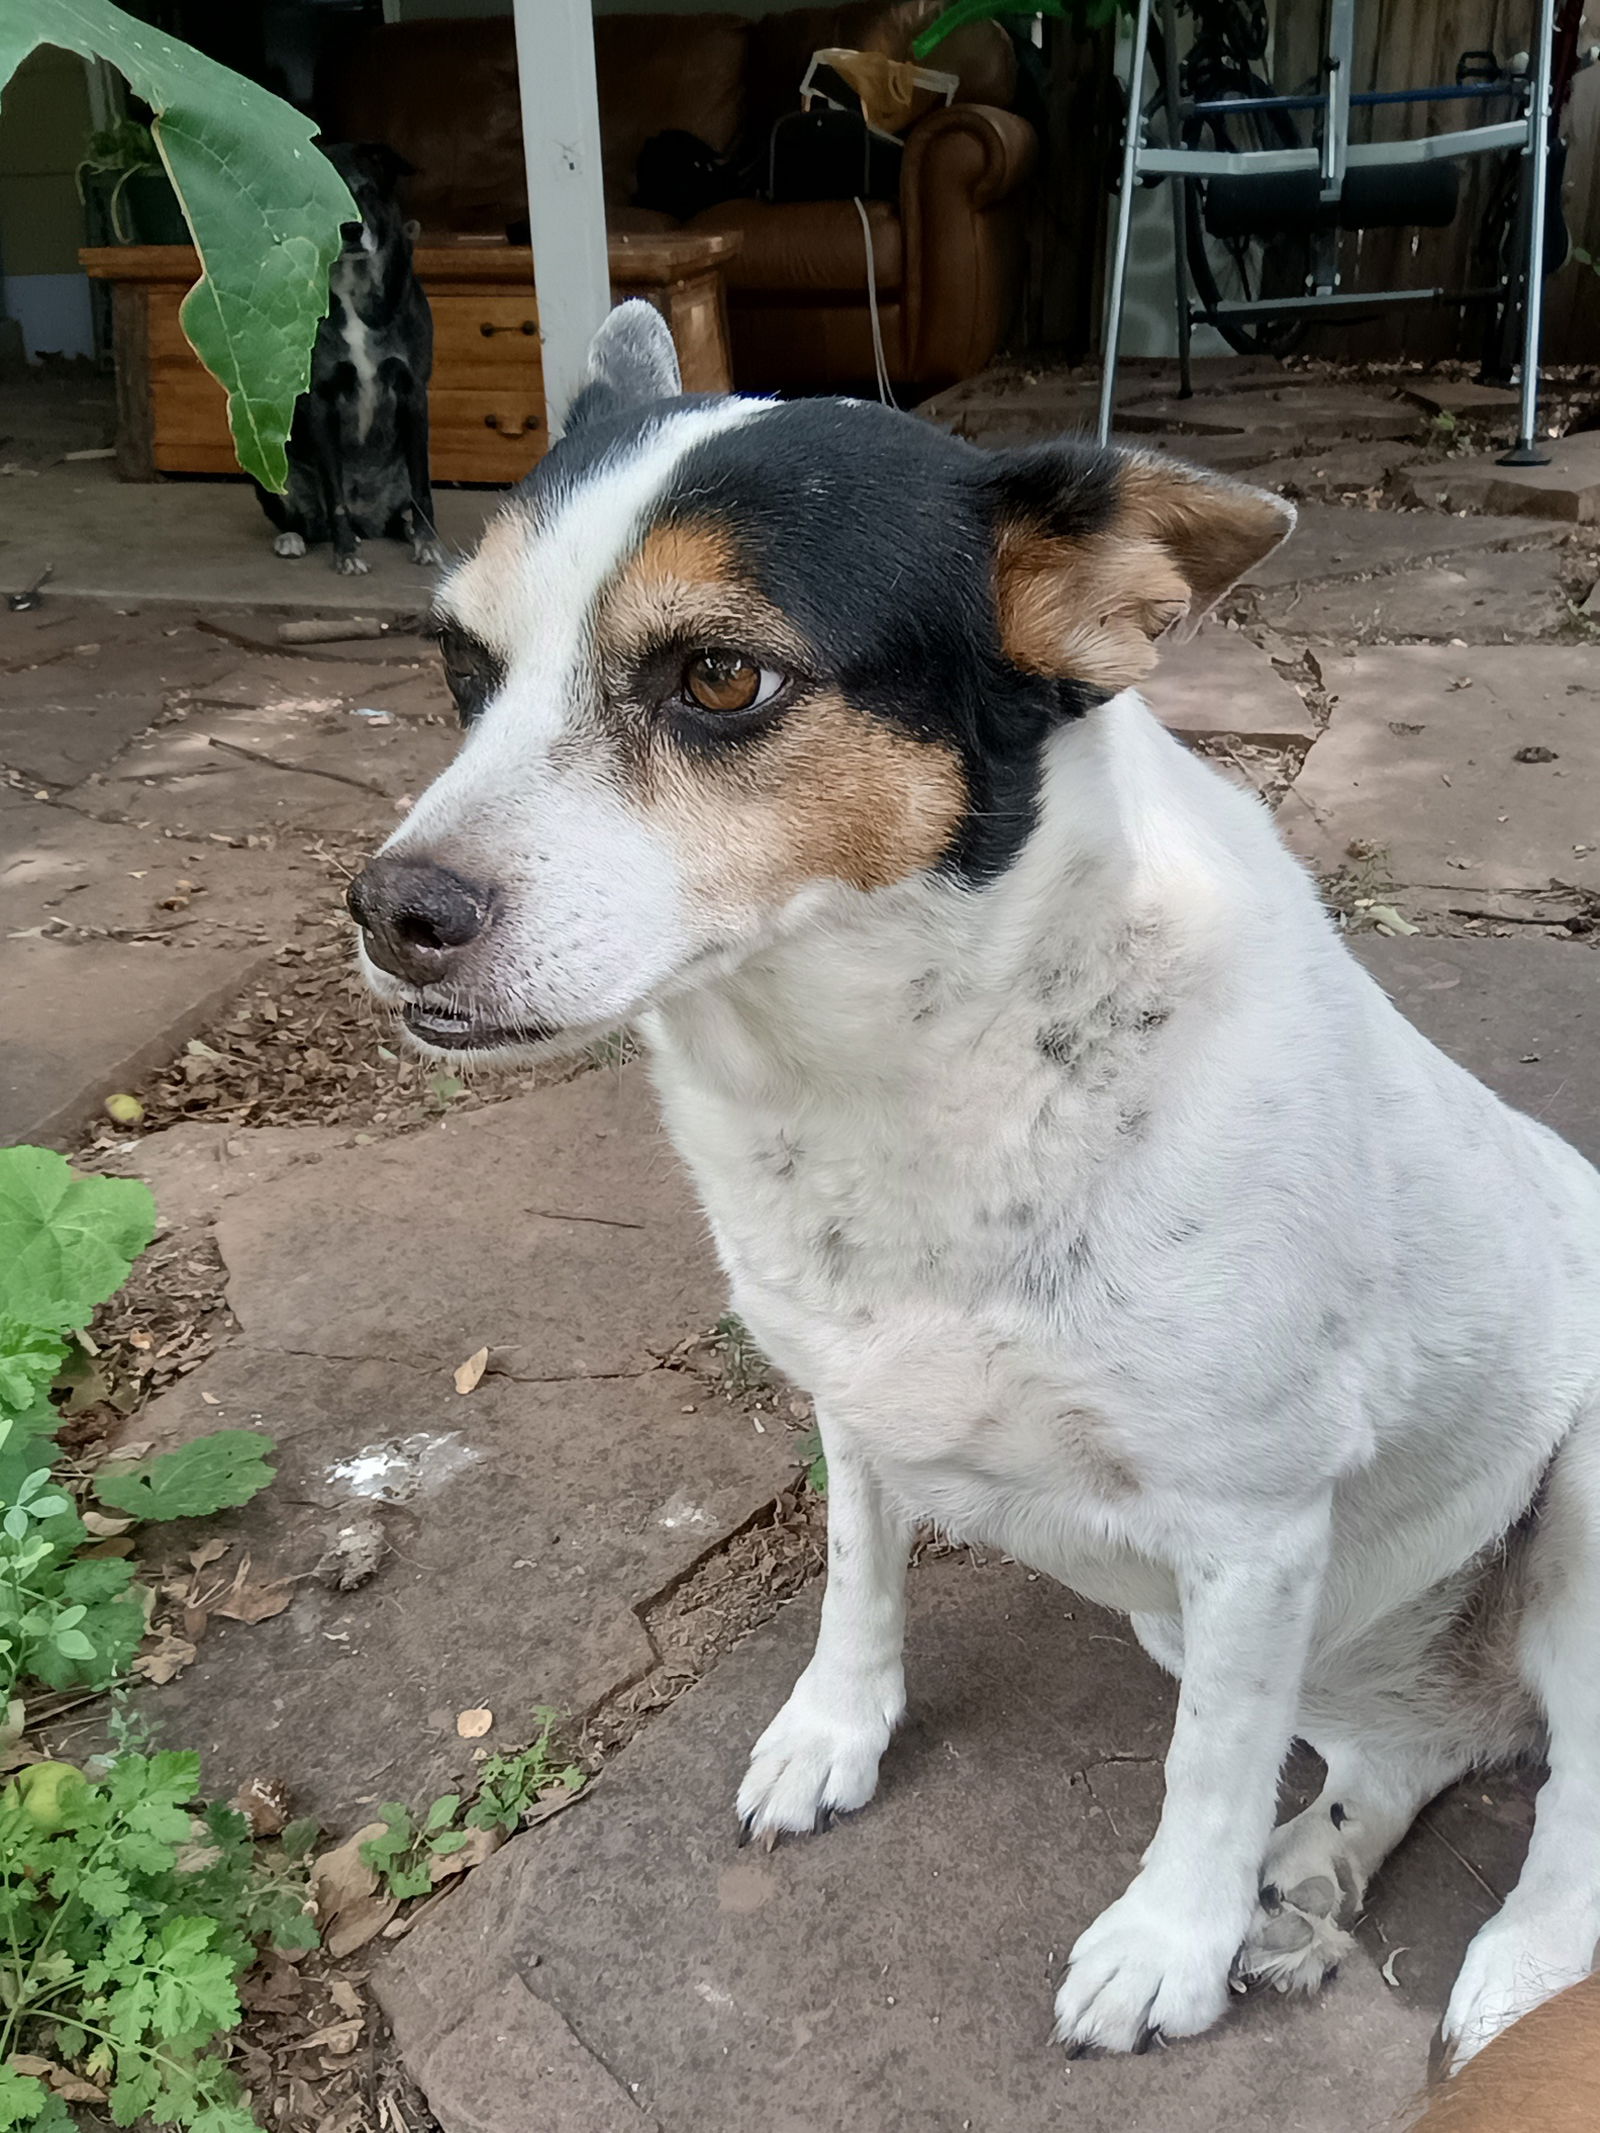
column 747, row 1824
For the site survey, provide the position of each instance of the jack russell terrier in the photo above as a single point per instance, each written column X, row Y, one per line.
column 1050, row 1136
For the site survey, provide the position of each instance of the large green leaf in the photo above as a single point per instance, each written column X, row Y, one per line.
column 66, row 1243
column 207, row 1474
column 263, row 206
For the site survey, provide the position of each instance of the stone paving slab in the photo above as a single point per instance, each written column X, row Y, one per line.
column 1418, row 762
column 898, row 1972
column 526, row 1525
column 1333, row 541
column 528, row 1520
column 557, row 1228
column 1522, row 1013
column 1310, row 414
column 1481, row 599
column 206, row 543
column 1463, row 396
column 86, row 1018
column 1567, row 489
column 1220, row 683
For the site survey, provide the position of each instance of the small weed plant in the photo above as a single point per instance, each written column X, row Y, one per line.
column 511, row 1788
column 129, row 1909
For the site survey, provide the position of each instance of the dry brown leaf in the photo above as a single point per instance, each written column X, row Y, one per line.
column 337, row 2037
column 473, row 1725
column 170, row 1657
column 481, row 1844
column 70, row 2087
column 102, row 1527
column 469, row 1372
column 344, row 1996
column 208, row 1552
column 345, row 1891
column 264, row 1802
column 247, row 1601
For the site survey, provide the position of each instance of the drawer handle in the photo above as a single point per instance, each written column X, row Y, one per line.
column 528, row 326
column 508, row 427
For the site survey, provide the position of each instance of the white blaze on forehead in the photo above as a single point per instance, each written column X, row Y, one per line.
column 529, row 590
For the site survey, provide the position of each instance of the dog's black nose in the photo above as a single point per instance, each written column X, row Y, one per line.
column 416, row 917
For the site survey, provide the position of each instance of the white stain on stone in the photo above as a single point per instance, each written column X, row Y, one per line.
column 403, row 1467
column 681, row 1513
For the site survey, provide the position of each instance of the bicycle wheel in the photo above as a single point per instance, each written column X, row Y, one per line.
column 1245, row 268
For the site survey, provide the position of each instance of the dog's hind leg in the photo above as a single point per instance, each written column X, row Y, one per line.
column 1319, row 1863
column 820, row 1755
column 1545, row 1935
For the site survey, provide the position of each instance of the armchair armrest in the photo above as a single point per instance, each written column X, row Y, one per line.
column 975, row 149
column 962, row 225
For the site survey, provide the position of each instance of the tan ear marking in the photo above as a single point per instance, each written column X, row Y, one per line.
column 1089, row 607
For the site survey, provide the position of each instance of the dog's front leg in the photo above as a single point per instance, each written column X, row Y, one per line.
column 1156, row 1963
column 820, row 1755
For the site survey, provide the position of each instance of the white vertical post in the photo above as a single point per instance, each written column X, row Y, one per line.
column 566, row 206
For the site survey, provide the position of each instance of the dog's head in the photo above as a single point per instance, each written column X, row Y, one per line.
column 723, row 662
column 373, row 171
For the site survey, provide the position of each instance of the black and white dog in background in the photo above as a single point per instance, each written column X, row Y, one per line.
column 358, row 450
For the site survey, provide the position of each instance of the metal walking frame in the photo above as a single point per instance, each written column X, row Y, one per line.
column 1332, row 158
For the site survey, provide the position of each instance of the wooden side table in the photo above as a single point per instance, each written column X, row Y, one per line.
column 486, row 407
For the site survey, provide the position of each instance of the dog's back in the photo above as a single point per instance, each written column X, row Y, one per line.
column 1542, row 2075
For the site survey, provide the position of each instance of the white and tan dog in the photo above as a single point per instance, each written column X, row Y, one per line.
column 1049, row 1134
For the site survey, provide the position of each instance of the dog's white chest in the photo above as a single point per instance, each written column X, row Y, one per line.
column 363, row 360
column 917, row 1286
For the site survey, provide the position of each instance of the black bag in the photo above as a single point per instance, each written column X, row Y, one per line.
column 827, row 154
column 679, row 175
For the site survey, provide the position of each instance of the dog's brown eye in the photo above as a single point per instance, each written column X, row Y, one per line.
column 721, row 680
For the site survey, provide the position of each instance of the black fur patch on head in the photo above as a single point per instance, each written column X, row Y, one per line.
column 873, row 534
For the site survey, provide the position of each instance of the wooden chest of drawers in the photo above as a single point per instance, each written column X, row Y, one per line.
column 486, row 409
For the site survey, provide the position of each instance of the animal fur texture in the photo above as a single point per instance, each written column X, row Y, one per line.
column 1049, row 1135
column 358, row 446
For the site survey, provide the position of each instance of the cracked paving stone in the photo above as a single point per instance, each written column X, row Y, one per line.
column 1335, row 541
column 896, row 1973
column 526, row 1527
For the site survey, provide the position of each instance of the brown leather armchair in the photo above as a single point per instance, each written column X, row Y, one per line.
column 947, row 255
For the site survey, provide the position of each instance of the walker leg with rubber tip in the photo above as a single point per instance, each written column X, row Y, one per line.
column 1180, row 206
column 1119, row 254
column 1536, row 173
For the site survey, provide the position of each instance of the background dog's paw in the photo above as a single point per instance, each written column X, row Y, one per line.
column 1295, row 1941
column 1512, row 1966
column 289, row 544
column 1139, row 1974
column 428, row 554
column 352, row 566
column 818, row 1758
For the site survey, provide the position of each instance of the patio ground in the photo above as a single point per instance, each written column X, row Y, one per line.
column 614, row 1519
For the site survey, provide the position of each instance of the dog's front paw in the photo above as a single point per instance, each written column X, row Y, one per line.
column 427, row 553
column 820, row 1755
column 1144, row 1970
column 1513, row 1965
column 289, row 544
column 352, row 566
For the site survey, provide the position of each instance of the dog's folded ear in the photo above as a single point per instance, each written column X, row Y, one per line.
column 632, row 362
column 1098, row 553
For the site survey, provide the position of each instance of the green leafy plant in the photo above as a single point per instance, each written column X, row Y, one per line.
column 265, row 209
column 126, row 150
column 510, row 1788
column 129, row 1912
column 66, row 1244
